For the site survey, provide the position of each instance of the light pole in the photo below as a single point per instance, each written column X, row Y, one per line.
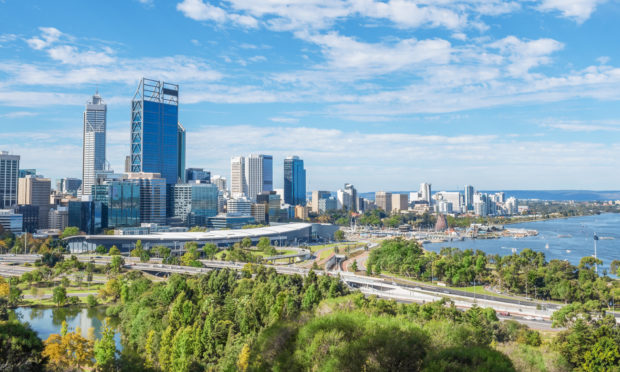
column 595, row 263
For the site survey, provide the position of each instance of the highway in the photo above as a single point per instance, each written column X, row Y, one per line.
column 525, row 311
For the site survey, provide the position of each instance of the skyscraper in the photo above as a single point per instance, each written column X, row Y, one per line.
column 93, row 151
column 9, row 170
column 469, row 198
column 425, row 192
column 155, row 130
column 294, row 181
column 181, row 153
column 258, row 174
column 152, row 197
column 195, row 202
column 384, row 201
column 238, row 185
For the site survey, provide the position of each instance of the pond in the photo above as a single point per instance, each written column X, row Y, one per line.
column 46, row 321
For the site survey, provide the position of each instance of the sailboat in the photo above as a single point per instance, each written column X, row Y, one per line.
column 547, row 246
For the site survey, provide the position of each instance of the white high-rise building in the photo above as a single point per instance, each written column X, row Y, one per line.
column 425, row 192
column 9, row 173
column 258, row 174
column 219, row 181
column 453, row 197
column 93, row 153
column 238, row 185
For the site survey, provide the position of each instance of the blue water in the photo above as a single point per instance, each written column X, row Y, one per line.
column 46, row 321
column 578, row 232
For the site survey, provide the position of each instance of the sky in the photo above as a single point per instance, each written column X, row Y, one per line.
column 381, row 94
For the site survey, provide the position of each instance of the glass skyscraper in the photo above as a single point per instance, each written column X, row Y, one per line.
column 195, row 202
column 155, row 146
column 294, row 181
column 121, row 203
column 93, row 150
column 9, row 170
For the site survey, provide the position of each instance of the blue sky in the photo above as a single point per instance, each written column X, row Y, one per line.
column 381, row 94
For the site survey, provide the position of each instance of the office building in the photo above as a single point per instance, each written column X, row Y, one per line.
column 152, row 197
column 219, row 181
column 86, row 216
column 259, row 212
column 127, row 163
column 11, row 221
column 294, row 181
column 68, row 185
column 59, row 218
column 425, row 192
column 197, row 174
column 238, row 185
column 181, row 153
column 239, row 206
column 94, row 141
column 258, row 174
column 347, row 198
column 30, row 217
column 27, row 172
column 121, row 202
column 469, row 198
column 327, row 204
column 155, row 130
column 9, row 170
column 301, row 212
column 316, row 196
column 400, row 202
column 230, row 221
column 195, row 202
column 453, row 197
column 36, row 191
column 383, row 200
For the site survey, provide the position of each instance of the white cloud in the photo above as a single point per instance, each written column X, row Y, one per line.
column 579, row 10
column 70, row 55
column 18, row 114
column 524, row 55
column 49, row 35
column 584, row 126
column 201, row 11
column 284, row 120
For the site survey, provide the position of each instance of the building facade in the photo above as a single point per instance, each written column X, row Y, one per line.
column 153, row 191
column 195, row 202
column 258, row 174
column 316, row 196
column 238, row 185
column 11, row 221
column 94, row 141
column 384, row 201
column 9, row 172
column 86, row 216
column 197, row 174
column 239, row 206
column 36, row 191
column 469, row 198
column 400, row 202
column 121, row 203
column 294, row 181
column 220, row 182
column 30, row 217
column 59, row 218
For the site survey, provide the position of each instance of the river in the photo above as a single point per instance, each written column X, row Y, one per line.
column 564, row 239
column 46, row 321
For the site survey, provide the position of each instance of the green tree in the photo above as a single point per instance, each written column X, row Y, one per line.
column 209, row 250
column 339, row 235
column 69, row 231
column 264, row 244
column 116, row 264
column 105, row 349
column 246, row 243
column 20, row 347
column 100, row 249
column 114, row 251
column 91, row 300
column 59, row 295
column 354, row 266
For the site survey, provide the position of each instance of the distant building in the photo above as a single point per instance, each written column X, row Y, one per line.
column 220, row 182
column 347, row 198
column 94, row 141
column 383, row 200
column 400, row 202
column 239, row 206
column 36, row 191
column 316, row 196
column 301, row 212
column 294, row 181
column 27, row 172
column 328, row 204
column 230, row 221
column 512, row 206
column 258, row 174
column 11, row 221
column 469, row 198
column 59, row 218
column 453, row 197
column 9, row 171
column 195, row 202
column 86, row 216
column 30, row 217
column 152, row 197
column 425, row 192
column 181, row 153
column 238, row 185
column 127, row 163
column 197, row 174
column 121, row 202
column 259, row 212
column 68, row 185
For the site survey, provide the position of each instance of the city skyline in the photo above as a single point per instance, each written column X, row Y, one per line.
column 507, row 95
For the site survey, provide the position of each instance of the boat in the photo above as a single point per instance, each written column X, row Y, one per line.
column 606, row 238
column 568, row 251
column 565, row 236
column 547, row 246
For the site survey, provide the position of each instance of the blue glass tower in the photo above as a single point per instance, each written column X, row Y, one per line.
column 155, row 137
column 294, row 181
